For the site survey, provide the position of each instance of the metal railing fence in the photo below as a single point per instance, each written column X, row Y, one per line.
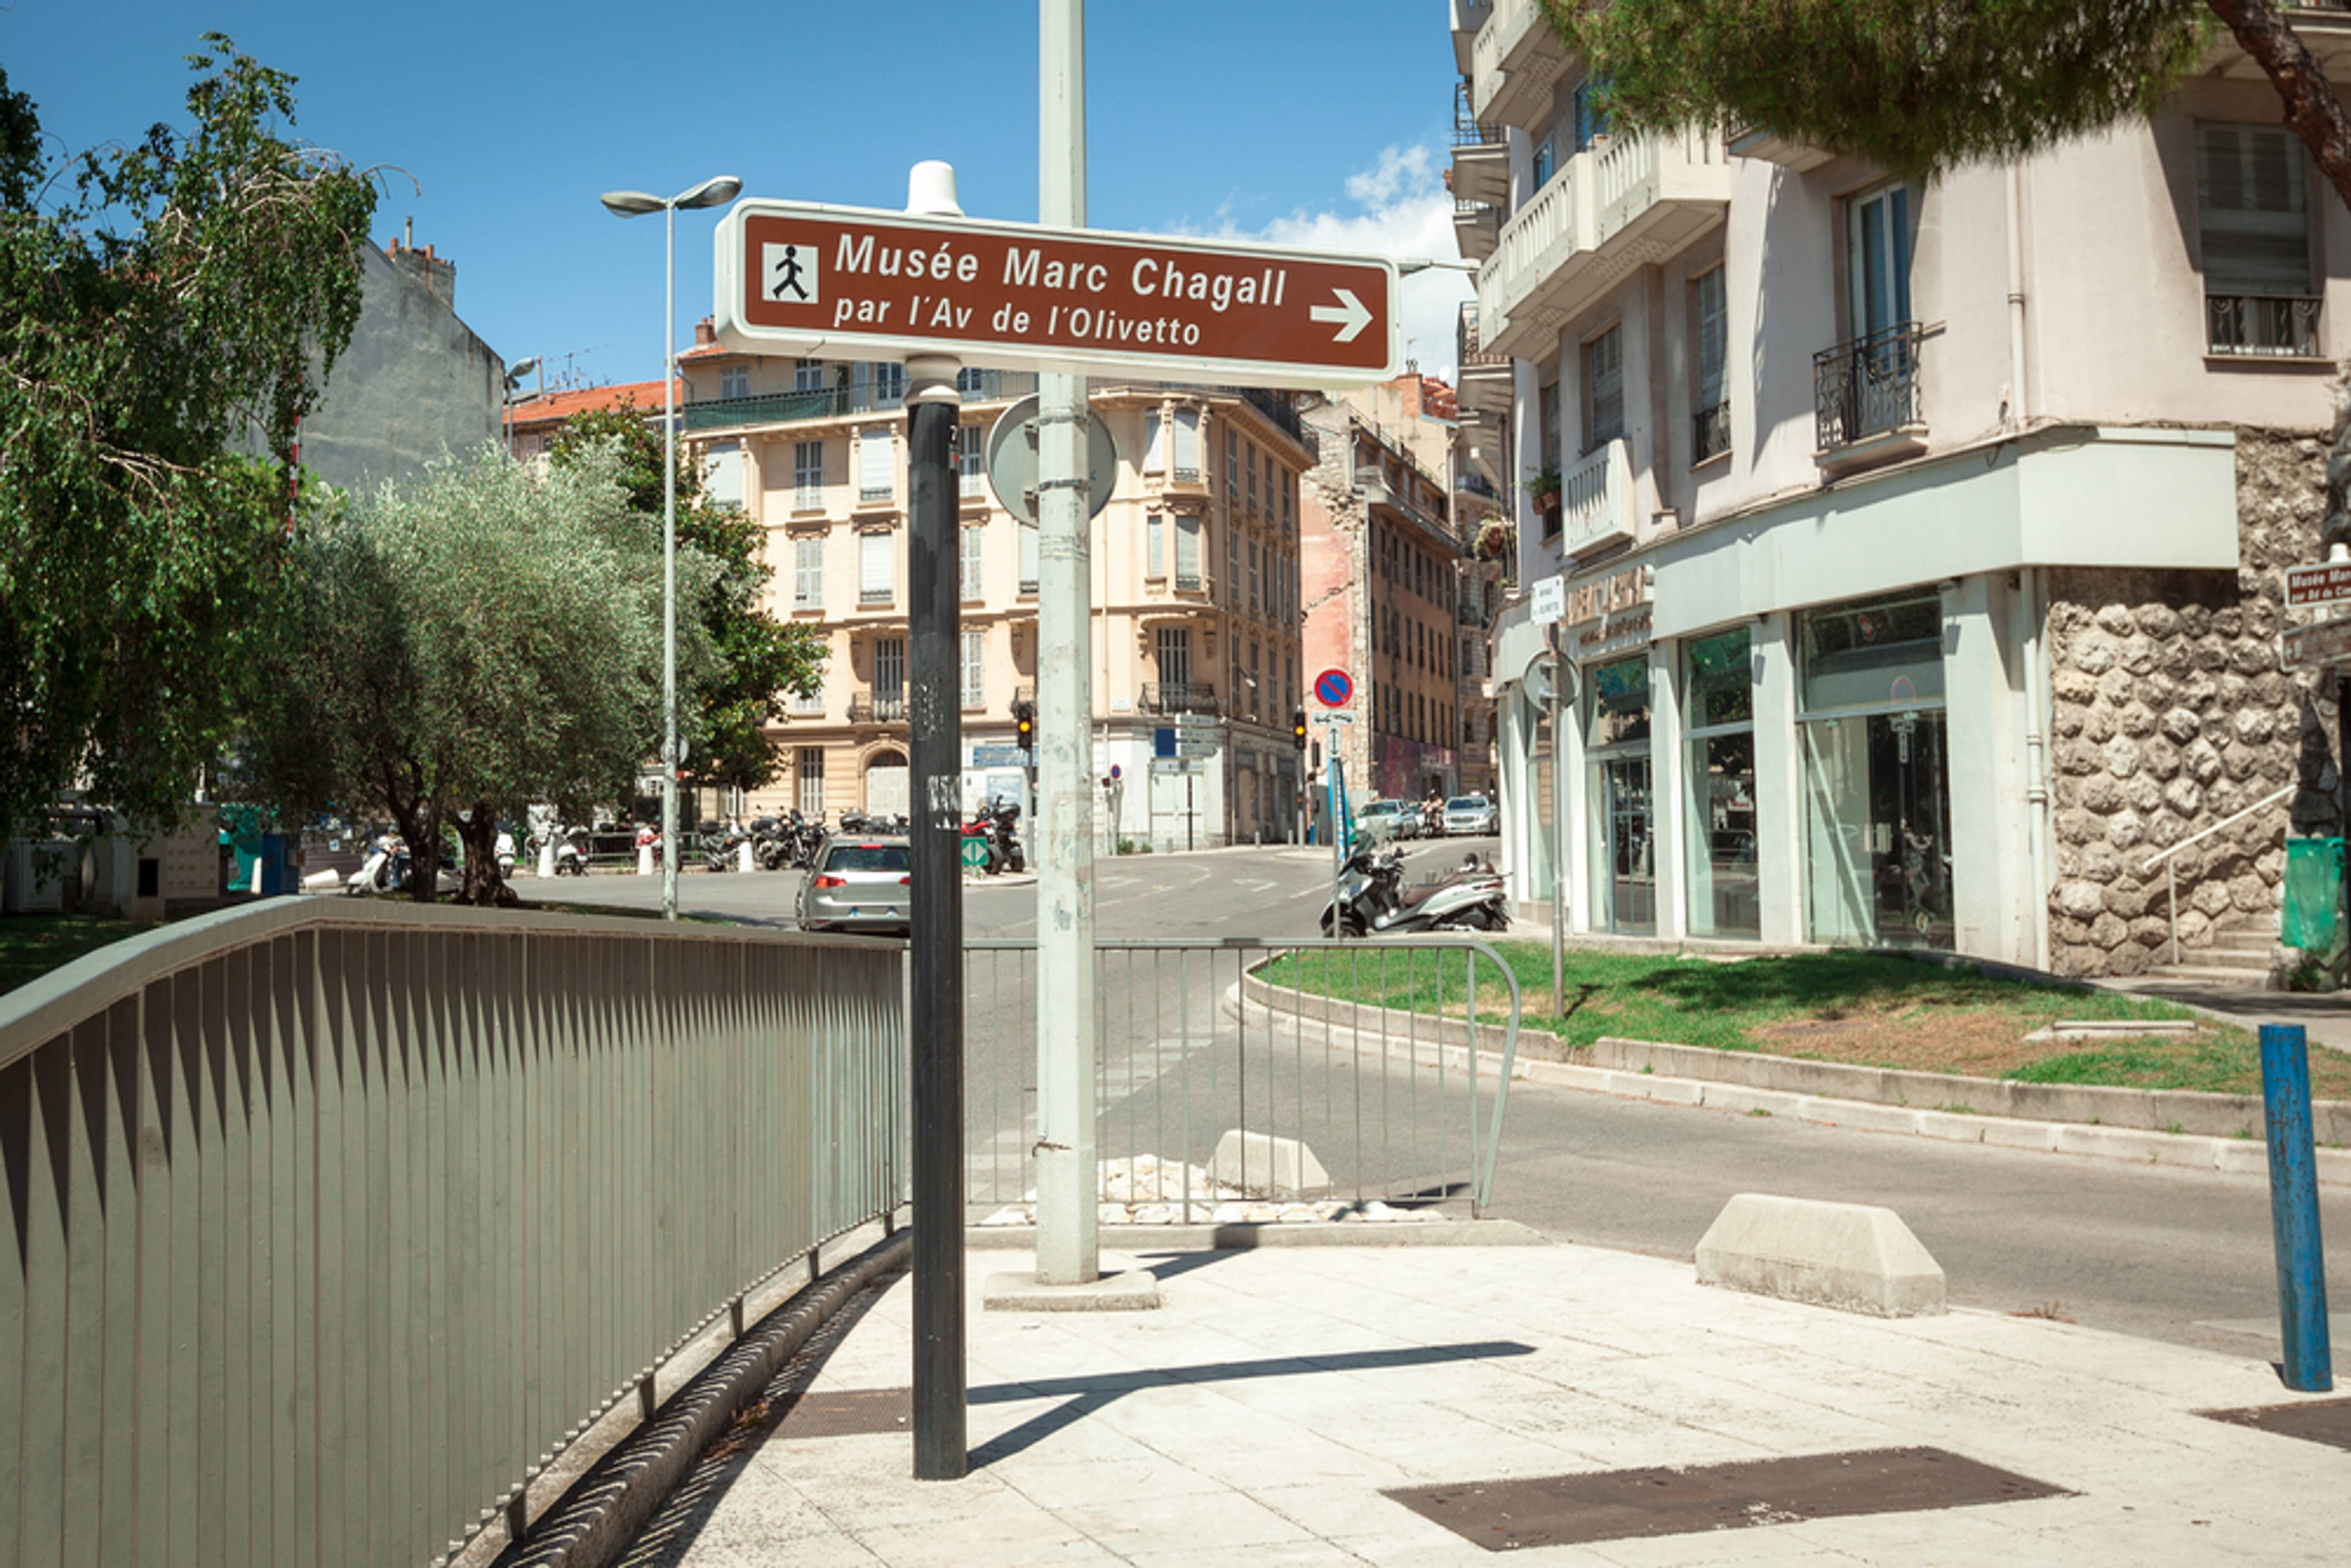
column 331, row 1219
column 1866, row 386
column 1365, row 1051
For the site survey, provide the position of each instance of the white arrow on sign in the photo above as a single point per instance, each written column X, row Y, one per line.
column 1349, row 309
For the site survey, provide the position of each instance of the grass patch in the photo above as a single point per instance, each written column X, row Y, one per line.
column 33, row 945
column 1872, row 1009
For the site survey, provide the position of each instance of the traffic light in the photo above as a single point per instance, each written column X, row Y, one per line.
column 1298, row 726
column 1024, row 724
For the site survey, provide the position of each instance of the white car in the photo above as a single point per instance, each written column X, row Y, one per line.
column 1469, row 814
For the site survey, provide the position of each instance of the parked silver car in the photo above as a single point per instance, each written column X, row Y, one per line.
column 860, row 883
column 1389, row 819
column 1469, row 814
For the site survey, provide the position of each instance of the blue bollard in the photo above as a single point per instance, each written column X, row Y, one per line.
column 2294, row 1210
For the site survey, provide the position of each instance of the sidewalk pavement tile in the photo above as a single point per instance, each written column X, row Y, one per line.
column 1259, row 1413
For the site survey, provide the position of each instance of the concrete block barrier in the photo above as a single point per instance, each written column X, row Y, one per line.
column 1857, row 1257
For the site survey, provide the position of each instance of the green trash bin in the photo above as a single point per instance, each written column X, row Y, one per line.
column 2314, row 893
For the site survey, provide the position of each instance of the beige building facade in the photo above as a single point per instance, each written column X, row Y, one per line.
column 1195, row 559
column 1922, row 543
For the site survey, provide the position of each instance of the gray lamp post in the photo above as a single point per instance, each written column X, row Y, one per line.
column 628, row 204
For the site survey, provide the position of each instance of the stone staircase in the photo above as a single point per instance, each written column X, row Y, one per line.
column 2238, row 957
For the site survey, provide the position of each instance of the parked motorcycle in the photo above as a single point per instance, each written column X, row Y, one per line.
column 385, row 869
column 506, row 854
column 723, row 850
column 1373, row 899
column 572, row 854
column 993, row 825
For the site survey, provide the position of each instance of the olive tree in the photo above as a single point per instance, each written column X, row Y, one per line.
column 462, row 644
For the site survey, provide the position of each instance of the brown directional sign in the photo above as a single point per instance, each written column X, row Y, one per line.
column 848, row 283
column 2327, row 584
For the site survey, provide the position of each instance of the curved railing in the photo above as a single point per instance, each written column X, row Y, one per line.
column 331, row 1217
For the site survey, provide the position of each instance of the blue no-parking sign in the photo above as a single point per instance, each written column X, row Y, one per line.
column 1333, row 688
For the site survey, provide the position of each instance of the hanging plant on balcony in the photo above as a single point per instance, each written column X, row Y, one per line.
column 1542, row 488
column 1496, row 540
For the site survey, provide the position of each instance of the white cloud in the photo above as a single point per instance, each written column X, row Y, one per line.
column 1400, row 208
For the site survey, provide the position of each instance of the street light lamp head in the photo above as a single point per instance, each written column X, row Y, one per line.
column 519, row 368
column 630, row 204
column 710, row 192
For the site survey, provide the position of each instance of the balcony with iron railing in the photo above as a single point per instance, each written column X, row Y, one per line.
column 878, row 707
column 2263, row 326
column 1178, row 696
column 1481, row 156
column 1486, row 384
column 1866, row 400
column 836, row 403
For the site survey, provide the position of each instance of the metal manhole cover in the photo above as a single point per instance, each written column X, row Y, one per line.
column 1616, row 1505
column 848, row 1413
column 2317, row 1421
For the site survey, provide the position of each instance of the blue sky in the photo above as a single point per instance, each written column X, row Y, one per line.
column 1300, row 121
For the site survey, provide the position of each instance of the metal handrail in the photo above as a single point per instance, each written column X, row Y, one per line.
column 333, row 1215
column 2170, row 873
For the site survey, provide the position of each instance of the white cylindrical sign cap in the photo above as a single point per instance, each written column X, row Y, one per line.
column 931, row 190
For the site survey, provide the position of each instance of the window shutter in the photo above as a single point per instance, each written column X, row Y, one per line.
column 723, row 476
column 875, row 467
column 876, row 574
column 1154, row 442
column 970, row 542
column 1713, row 338
column 975, row 653
column 1155, row 554
column 1187, row 551
column 1027, row 557
column 1188, row 443
column 808, row 574
column 2255, row 221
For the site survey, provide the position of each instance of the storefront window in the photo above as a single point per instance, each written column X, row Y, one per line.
column 1616, row 743
column 1719, row 788
column 1876, row 787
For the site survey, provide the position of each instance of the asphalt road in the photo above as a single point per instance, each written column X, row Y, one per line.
column 2171, row 1254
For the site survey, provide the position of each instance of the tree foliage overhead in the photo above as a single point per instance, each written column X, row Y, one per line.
column 459, row 647
column 758, row 658
column 1915, row 87
column 164, row 308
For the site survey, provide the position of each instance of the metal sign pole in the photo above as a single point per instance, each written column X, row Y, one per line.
column 1068, row 1248
column 1558, row 824
column 1333, row 788
column 935, row 756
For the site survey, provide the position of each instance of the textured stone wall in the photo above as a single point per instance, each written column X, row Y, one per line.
column 2168, row 714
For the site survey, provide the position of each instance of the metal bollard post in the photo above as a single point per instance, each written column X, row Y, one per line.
column 2294, row 1210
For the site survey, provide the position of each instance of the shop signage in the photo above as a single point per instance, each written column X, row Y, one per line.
column 858, row 284
column 1616, row 635
column 1603, row 596
column 2316, row 645
column 2328, row 582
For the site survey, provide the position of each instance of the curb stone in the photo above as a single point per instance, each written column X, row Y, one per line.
column 2149, row 1142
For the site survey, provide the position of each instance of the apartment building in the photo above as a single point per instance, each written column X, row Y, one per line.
column 1922, row 543
column 1195, row 557
column 1382, row 593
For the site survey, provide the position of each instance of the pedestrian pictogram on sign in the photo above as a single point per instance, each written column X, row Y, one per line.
column 852, row 283
column 791, row 274
column 1333, row 688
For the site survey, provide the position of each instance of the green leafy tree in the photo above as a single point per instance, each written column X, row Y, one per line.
column 458, row 647
column 166, row 308
column 760, row 660
column 1919, row 87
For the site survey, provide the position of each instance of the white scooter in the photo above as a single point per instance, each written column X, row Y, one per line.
column 1373, row 901
column 385, row 868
